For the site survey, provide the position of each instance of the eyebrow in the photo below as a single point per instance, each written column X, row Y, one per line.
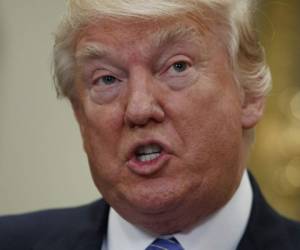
column 176, row 34
column 91, row 50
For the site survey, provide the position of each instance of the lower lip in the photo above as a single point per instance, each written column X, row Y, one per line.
column 148, row 167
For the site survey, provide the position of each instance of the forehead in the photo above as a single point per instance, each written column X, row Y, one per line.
column 135, row 34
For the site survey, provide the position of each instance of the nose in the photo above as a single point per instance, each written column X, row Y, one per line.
column 143, row 105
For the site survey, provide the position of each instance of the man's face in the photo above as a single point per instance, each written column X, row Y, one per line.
column 161, row 120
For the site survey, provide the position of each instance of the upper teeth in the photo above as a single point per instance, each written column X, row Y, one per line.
column 149, row 149
column 148, row 153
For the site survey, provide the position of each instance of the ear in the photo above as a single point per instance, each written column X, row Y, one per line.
column 252, row 110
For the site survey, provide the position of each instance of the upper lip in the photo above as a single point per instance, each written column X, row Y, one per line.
column 133, row 148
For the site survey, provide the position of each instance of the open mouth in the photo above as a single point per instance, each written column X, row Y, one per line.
column 148, row 153
column 147, row 158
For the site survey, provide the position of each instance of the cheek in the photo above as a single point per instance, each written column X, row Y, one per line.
column 208, row 122
column 101, row 129
column 212, row 137
column 106, row 119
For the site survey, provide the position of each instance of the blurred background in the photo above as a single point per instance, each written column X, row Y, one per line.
column 275, row 159
column 42, row 164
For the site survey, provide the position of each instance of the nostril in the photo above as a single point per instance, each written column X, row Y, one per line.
column 143, row 109
column 138, row 117
column 135, row 123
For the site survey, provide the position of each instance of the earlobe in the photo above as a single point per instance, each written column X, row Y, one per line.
column 252, row 111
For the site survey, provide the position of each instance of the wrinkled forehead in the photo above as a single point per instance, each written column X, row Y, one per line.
column 152, row 20
column 141, row 30
column 97, row 39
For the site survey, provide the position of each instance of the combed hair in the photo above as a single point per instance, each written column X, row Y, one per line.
column 246, row 54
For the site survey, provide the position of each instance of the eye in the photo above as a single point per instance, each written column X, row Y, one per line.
column 179, row 72
column 180, row 66
column 105, row 88
column 106, row 80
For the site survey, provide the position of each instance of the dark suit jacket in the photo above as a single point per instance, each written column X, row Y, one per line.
column 83, row 228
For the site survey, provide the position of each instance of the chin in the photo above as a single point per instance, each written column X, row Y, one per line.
column 155, row 200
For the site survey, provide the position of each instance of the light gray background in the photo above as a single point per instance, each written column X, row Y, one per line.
column 42, row 163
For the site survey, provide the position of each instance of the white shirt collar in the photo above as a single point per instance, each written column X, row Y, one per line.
column 221, row 231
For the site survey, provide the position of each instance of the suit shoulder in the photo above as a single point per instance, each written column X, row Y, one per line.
column 266, row 228
column 293, row 229
column 23, row 231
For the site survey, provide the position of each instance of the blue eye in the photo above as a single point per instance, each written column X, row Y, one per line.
column 108, row 79
column 180, row 66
